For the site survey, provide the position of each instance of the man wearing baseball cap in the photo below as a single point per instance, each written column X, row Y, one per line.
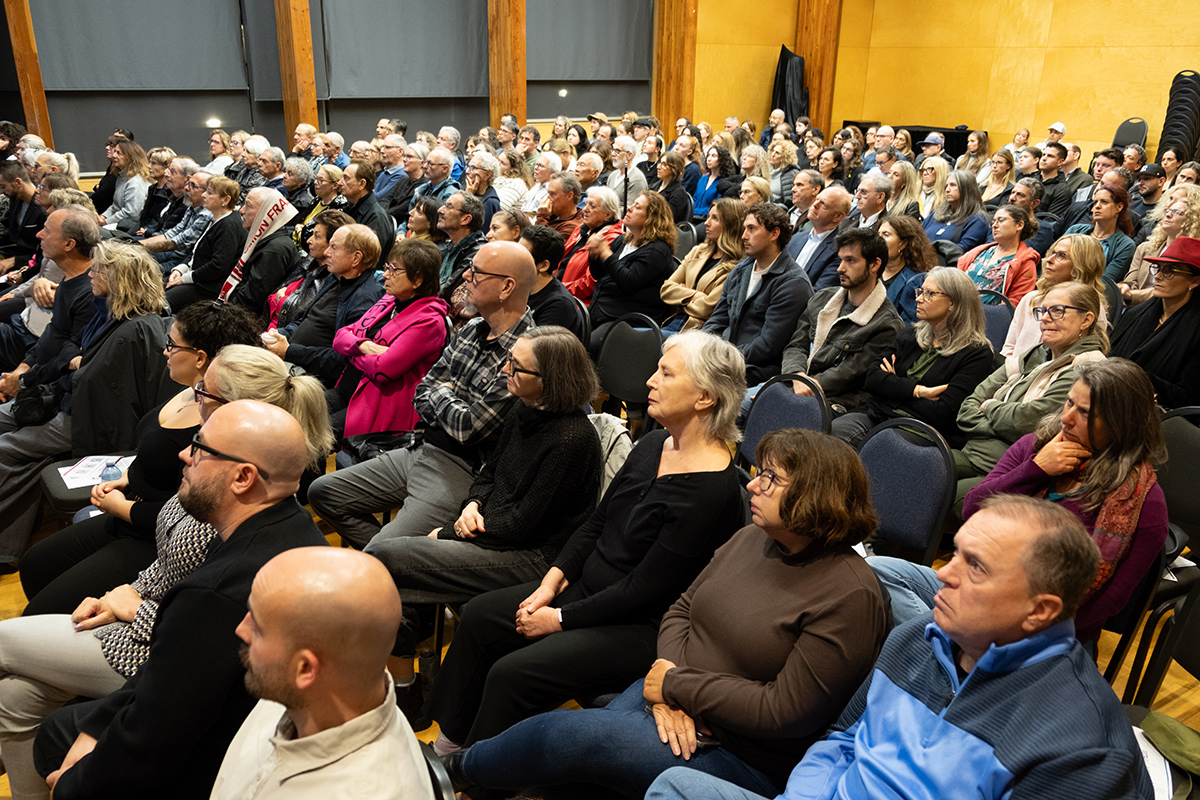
column 1162, row 335
column 1151, row 180
column 930, row 146
column 1053, row 134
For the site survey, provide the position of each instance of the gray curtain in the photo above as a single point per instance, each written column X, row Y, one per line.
column 131, row 44
column 427, row 48
column 262, row 49
column 597, row 41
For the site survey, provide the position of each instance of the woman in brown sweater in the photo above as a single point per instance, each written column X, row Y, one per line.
column 756, row 658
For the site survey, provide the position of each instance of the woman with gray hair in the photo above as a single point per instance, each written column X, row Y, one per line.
column 933, row 366
column 601, row 214
column 482, row 172
column 297, row 184
column 590, row 625
column 546, row 165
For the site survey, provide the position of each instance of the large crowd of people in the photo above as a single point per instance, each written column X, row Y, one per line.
column 431, row 313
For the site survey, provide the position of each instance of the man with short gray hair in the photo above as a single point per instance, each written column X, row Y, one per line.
column 449, row 138
column 872, row 196
column 333, row 150
column 626, row 180
column 438, row 165
column 175, row 245
column 392, row 149
column 179, row 171
column 270, row 166
column 587, row 169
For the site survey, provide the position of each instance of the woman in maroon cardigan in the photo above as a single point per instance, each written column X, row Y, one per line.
column 395, row 343
column 1097, row 460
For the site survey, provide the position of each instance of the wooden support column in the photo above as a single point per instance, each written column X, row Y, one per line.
column 674, row 84
column 507, row 93
column 294, row 31
column 818, row 27
column 29, row 71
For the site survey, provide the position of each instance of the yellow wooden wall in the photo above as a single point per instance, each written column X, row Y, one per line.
column 1001, row 65
column 737, row 49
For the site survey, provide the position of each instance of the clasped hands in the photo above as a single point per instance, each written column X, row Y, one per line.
column 675, row 727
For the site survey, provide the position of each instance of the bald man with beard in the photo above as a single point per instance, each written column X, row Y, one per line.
column 321, row 624
column 165, row 732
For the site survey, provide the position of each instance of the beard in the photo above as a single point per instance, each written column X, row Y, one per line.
column 200, row 500
column 269, row 683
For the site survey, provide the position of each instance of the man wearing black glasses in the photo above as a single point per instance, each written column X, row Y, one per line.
column 166, row 730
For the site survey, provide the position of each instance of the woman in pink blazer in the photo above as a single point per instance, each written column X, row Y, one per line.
column 395, row 343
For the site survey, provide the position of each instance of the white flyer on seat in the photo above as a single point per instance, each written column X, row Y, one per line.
column 86, row 471
column 1157, row 765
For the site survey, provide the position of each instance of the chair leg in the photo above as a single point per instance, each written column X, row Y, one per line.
column 1154, row 623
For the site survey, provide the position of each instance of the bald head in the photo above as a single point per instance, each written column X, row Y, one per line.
column 515, row 261
column 340, row 604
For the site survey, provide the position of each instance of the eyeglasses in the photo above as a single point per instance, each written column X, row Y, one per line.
column 192, row 185
column 172, row 347
column 1163, row 271
column 927, row 169
column 512, row 367
column 198, row 392
column 1054, row 312
column 1170, row 212
column 928, row 294
column 391, row 269
column 767, row 479
column 199, row 445
column 999, row 162
column 473, row 272
column 1057, row 256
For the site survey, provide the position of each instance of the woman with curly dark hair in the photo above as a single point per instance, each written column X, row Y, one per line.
column 1113, row 227
column 717, row 181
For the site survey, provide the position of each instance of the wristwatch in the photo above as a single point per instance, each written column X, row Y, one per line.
column 21, row 381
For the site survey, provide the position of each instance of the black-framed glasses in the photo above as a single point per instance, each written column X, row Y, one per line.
column 1054, row 312
column 212, row 451
column 473, row 272
column 1164, row 271
column 922, row 293
column 927, row 169
column 767, row 480
column 198, row 391
column 513, row 368
column 172, row 347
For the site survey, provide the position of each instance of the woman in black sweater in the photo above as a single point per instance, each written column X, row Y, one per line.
column 629, row 275
column 216, row 251
column 541, row 483
column 590, row 624
column 933, row 366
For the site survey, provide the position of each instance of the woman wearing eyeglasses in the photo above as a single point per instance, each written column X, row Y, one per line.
column 1181, row 217
column 540, row 484
column 1006, row 265
column 1075, row 257
column 1014, row 398
column 1162, row 335
column 393, row 345
column 126, row 508
column 933, row 366
column 755, row 660
column 100, row 641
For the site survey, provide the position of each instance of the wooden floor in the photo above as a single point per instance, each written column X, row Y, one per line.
column 1179, row 696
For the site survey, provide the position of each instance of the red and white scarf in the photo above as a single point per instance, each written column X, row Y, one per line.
column 272, row 215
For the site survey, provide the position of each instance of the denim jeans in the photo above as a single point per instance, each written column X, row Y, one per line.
column 616, row 747
column 681, row 783
column 911, row 586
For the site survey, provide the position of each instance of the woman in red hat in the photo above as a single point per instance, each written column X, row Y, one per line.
column 1162, row 335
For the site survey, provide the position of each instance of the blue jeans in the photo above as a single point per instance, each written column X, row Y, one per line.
column 616, row 747
column 911, row 586
column 680, row 783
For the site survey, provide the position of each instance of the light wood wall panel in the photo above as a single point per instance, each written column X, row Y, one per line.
column 506, row 60
column 673, row 91
column 29, row 71
column 296, row 69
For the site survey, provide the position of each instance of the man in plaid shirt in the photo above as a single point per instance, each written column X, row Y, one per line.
column 462, row 401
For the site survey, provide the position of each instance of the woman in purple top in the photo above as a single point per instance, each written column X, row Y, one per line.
column 1097, row 460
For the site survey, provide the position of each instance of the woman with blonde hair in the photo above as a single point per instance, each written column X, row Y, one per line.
column 906, row 187
column 782, row 156
column 976, row 158
column 998, row 184
column 932, row 366
column 630, row 274
column 1180, row 217
column 133, row 182
column 755, row 190
column 1075, row 257
column 695, row 287
column 902, row 141
column 325, row 187
column 754, row 163
column 933, row 174
column 49, row 161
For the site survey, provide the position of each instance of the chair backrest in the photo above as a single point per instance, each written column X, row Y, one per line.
column 997, row 317
column 1178, row 476
column 628, row 357
column 1131, row 131
column 450, row 331
column 685, row 240
column 778, row 406
column 1126, row 621
column 586, row 317
column 443, row 789
column 912, row 484
column 1114, row 302
column 948, row 253
column 691, row 212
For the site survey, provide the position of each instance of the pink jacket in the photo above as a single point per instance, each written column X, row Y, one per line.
column 1021, row 278
column 383, row 399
